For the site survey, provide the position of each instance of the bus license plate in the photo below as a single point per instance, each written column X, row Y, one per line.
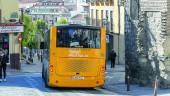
column 78, row 77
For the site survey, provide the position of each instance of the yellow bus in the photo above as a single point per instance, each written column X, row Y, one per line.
column 74, row 56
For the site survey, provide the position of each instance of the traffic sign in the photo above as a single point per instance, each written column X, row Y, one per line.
column 107, row 38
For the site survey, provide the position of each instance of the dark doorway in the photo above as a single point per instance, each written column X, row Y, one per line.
column 4, row 42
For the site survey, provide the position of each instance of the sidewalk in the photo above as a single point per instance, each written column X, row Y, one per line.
column 115, row 81
column 36, row 67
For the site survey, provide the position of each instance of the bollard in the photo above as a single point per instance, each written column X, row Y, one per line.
column 155, row 86
column 128, row 83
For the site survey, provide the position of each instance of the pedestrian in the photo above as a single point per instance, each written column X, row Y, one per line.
column 113, row 58
column 3, row 61
column 38, row 54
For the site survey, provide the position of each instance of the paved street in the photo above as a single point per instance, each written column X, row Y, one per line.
column 31, row 84
column 28, row 82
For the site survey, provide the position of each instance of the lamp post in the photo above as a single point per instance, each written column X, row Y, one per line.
column 155, row 55
column 104, row 24
column 127, row 77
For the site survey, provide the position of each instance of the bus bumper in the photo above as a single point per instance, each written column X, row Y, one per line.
column 69, row 81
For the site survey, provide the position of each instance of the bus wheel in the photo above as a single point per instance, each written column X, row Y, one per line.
column 46, row 80
column 91, row 88
column 42, row 73
column 102, row 87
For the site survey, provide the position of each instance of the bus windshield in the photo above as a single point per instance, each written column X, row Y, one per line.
column 78, row 38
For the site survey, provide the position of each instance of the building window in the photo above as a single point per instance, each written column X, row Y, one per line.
column 111, row 2
column 92, row 18
column 101, row 14
column 0, row 15
column 97, row 2
column 102, row 2
column 102, row 17
column 86, row 9
column 97, row 18
column 107, row 2
column 107, row 15
column 92, row 13
column 111, row 20
column 107, row 20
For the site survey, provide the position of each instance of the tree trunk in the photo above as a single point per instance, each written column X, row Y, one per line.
column 30, row 59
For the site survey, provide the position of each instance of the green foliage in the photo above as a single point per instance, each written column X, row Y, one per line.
column 62, row 21
column 29, row 33
column 41, row 27
column 33, row 30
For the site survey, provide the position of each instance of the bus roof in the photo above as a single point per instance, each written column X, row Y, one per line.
column 78, row 26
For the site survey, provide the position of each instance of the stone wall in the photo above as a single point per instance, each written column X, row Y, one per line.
column 156, row 50
column 147, row 45
column 165, row 63
column 131, row 58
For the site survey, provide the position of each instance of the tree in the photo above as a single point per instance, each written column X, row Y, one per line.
column 33, row 32
column 29, row 32
column 62, row 21
column 29, row 39
column 41, row 27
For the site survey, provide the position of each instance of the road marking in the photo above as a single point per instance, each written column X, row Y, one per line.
column 106, row 91
column 33, row 84
column 25, row 74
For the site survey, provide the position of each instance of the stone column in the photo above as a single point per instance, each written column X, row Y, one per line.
column 14, row 51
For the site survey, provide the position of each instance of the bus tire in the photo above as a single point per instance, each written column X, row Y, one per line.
column 90, row 88
column 102, row 87
column 42, row 73
column 46, row 79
